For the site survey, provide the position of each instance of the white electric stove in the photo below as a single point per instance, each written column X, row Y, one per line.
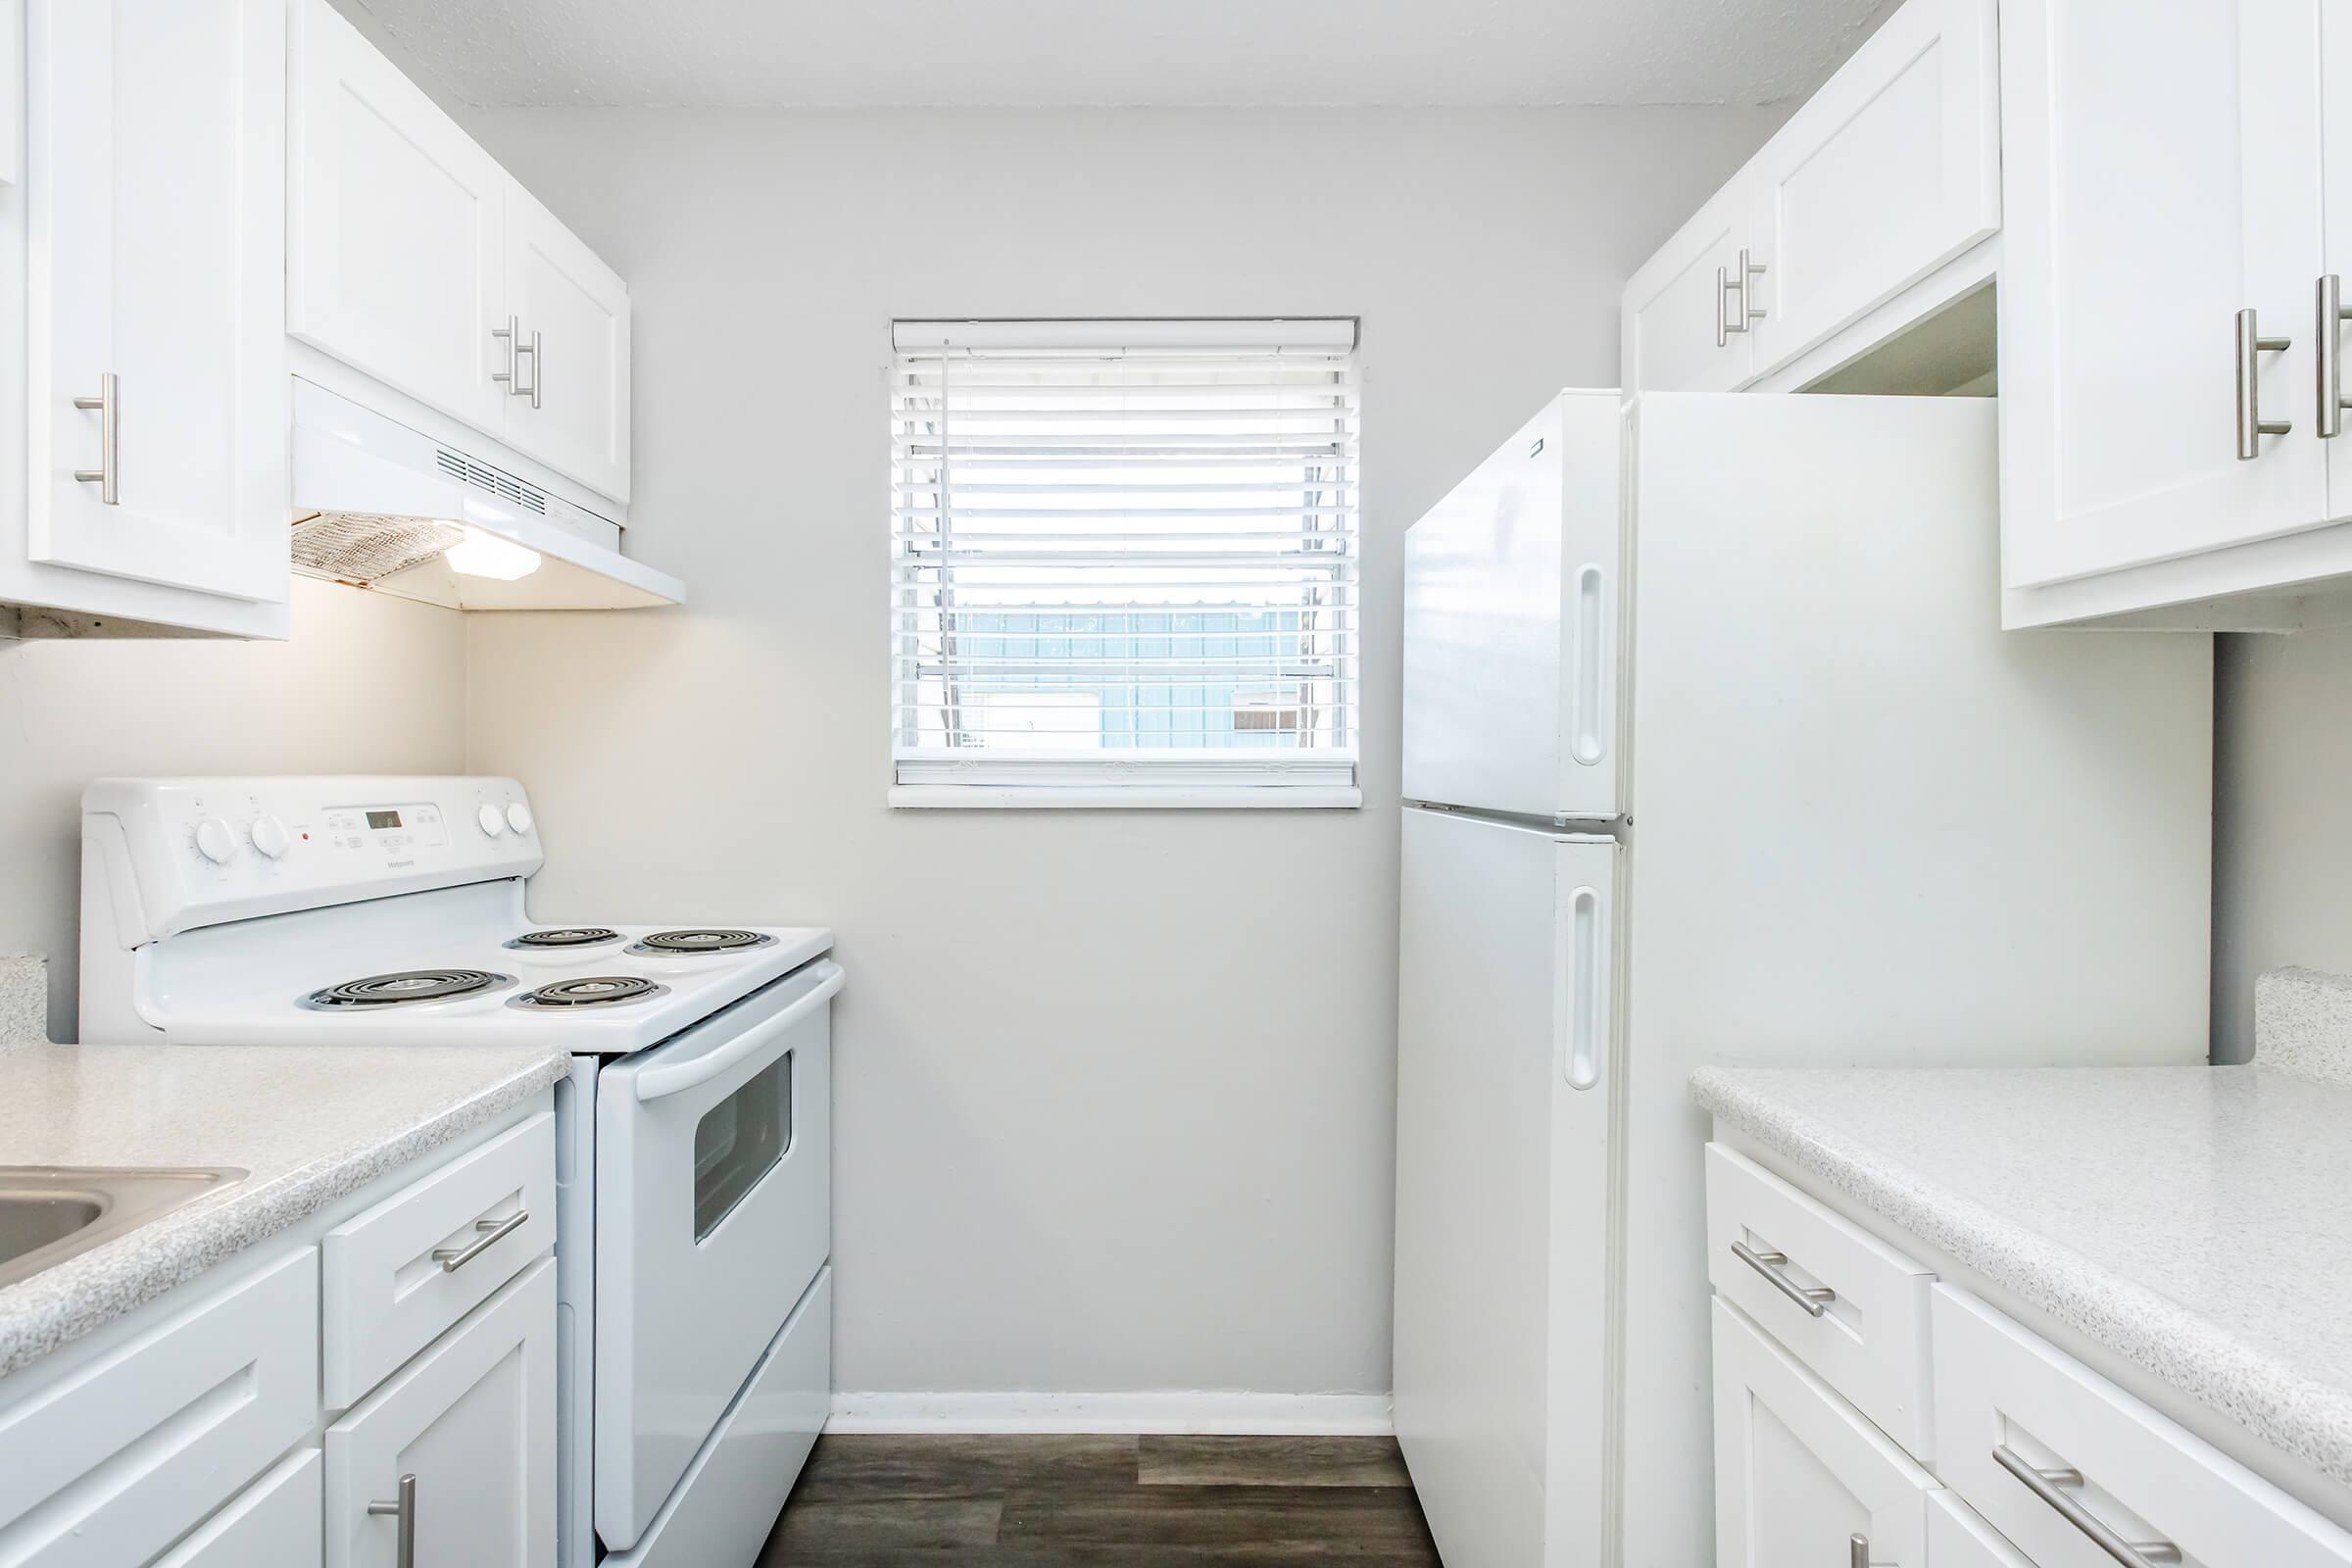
column 694, row 1195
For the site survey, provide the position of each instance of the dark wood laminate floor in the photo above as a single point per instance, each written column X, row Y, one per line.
column 1099, row 1502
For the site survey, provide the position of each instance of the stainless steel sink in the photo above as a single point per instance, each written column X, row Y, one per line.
column 48, row 1214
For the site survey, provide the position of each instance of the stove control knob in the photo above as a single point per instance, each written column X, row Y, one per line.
column 214, row 842
column 518, row 817
column 493, row 821
column 270, row 836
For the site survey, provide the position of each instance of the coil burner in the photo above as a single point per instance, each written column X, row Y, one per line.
column 592, row 990
column 701, row 942
column 406, row 986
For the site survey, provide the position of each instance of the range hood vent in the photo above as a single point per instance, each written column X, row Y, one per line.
column 384, row 508
column 465, row 470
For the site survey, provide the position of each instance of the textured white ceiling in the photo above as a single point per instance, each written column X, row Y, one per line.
column 999, row 53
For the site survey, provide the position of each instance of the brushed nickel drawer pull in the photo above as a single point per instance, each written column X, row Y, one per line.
column 2331, row 325
column 1814, row 1301
column 2049, row 1486
column 493, row 1232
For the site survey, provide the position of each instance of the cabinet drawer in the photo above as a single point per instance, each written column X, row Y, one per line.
column 1869, row 1340
column 1798, row 1473
column 388, row 1296
column 115, row 1461
column 2002, row 1393
column 1959, row 1537
column 274, row 1522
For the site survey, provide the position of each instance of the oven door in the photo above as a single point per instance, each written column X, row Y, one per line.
column 712, row 1214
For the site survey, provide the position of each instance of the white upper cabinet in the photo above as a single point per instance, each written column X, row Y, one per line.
column 571, row 407
column 396, row 259
column 416, row 260
column 1683, row 321
column 1889, row 172
column 1892, row 169
column 156, row 386
column 2160, row 260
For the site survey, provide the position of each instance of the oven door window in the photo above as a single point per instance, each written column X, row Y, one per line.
column 740, row 1140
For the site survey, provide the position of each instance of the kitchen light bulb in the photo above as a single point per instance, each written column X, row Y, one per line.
column 486, row 555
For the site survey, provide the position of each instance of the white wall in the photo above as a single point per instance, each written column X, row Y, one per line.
column 2283, row 817
column 364, row 684
column 1114, row 1093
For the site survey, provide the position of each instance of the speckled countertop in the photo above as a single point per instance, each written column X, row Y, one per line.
column 310, row 1126
column 2195, row 1221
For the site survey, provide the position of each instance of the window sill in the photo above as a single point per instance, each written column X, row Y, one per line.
column 1125, row 798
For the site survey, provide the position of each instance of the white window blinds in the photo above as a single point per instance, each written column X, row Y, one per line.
column 1124, row 557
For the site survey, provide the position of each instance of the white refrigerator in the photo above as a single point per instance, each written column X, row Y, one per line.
column 1715, row 752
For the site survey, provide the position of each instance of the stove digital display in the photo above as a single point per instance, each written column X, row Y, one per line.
column 383, row 819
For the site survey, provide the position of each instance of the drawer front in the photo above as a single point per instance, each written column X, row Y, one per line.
column 1869, row 1338
column 2121, row 1469
column 731, row 1495
column 113, row 1464
column 274, row 1522
column 388, row 1296
column 1959, row 1537
column 1798, row 1472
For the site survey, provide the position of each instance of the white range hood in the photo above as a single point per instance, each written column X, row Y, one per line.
column 382, row 506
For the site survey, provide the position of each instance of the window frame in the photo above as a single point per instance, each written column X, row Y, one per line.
column 1135, row 777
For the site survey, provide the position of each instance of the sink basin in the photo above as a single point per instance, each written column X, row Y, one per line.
column 48, row 1214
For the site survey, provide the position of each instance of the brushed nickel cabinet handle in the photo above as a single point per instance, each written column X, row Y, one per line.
column 493, row 1232
column 1750, row 272
column 108, row 475
column 1857, row 1552
column 2049, row 1485
column 404, row 1554
column 1722, row 295
column 537, row 350
column 2251, row 425
column 1815, row 1300
column 509, row 333
column 2331, row 327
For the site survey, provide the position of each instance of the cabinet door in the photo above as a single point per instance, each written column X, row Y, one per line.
column 474, row 1419
column 396, row 258
column 1798, row 1472
column 574, row 312
column 155, row 286
column 2335, row 154
column 1685, row 321
column 2152, row 193
column 1892, row 169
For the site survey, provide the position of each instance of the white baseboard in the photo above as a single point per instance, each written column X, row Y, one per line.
column 1189, row 1411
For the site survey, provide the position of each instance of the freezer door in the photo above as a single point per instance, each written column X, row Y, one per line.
column 1511, row 625
column 1505, row 1077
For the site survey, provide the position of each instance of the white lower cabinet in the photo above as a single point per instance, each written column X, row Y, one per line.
column 2071, row 1467
column 1798, row 1472
column 274, row 1523
column 2040, row 1463
column 458, row 1447
column 193, row 1434
column 116, row 1460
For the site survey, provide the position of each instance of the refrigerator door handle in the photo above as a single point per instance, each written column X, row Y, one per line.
column 1586, row 1017
column 1588, row 738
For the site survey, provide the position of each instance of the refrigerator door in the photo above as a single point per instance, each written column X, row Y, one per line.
column 1870, row 827
column 1511, row 625
column 1505, row 1082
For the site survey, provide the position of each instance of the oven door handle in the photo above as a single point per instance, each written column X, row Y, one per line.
column 659, row 1080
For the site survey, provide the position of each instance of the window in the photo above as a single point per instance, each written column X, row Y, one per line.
column 1124, row 564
